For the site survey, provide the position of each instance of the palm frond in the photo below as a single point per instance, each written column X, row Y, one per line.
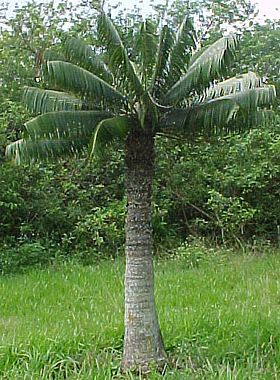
column 203, row 117
column 239, row 83
column 82, row 54
column 185, row 44
column 109, row 130
column 53, row 55
column 212, row 117
column 30, row 151
column 64, row 124
column 225, row 114
column 119, row 62
column 203, row 70
column 41, row 101
column 197, row 53
column 166, row 41
column 55, row 134
column 145, row 47
column 219, row 53
column 252, row 99
column 75, row 79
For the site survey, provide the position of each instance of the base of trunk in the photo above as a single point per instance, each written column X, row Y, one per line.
column 145, row 367
column 143, row 344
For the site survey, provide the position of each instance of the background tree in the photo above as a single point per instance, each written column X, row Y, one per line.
column 259, row 52
column 133, row 95
column 211, row 17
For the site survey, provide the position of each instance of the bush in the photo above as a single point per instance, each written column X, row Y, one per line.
column 98, row 234
column 225, row 189
column 196, row 252
column 23, row 256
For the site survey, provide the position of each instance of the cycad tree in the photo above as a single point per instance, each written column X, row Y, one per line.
column 159, row 84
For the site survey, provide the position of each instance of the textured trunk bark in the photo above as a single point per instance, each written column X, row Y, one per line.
column 142, row 342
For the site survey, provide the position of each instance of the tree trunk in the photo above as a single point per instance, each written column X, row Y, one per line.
column 142, row 342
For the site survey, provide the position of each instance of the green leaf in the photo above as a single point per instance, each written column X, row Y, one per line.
column 82, row 54
column 185, row 44
column 233, row 85
column 215, row 116
column 166, row 41
column 203, row 70
column 119, row 62
column 55, row 134
column 30, row 151
column 42, row 101
column 254, row 98
column 72, row 78
column 65, row 123
column 53, row 55
column 145, row 47
column 212, row 117
column 109, row 130
column 205, row 118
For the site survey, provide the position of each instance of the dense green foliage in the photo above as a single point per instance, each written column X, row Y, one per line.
column 226, row 189
column 219, row 320
column 76, row 207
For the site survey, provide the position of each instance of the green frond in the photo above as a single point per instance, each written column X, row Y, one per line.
column 257, row 119
column 166, row 41
column 53, row 55
column 255, row 106
column 196, row 54
column 145, row 47
column 208, row 117
column 254, row 98
column 119, row 62
column 30, row 151
column 225, row 114
column 185, row 44
column 65, row 123
column 233, row 85
column 70, row 77
column 82, row 54
column 109, row 130
column 212, row 117
column 42, row 101
column 54, row 135
column 203, row 70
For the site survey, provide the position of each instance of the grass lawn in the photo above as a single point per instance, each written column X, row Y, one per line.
column 219, row 321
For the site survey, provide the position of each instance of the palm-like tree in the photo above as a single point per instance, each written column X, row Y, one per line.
column 159, row 84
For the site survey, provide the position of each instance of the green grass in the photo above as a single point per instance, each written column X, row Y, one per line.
column 219, row 321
